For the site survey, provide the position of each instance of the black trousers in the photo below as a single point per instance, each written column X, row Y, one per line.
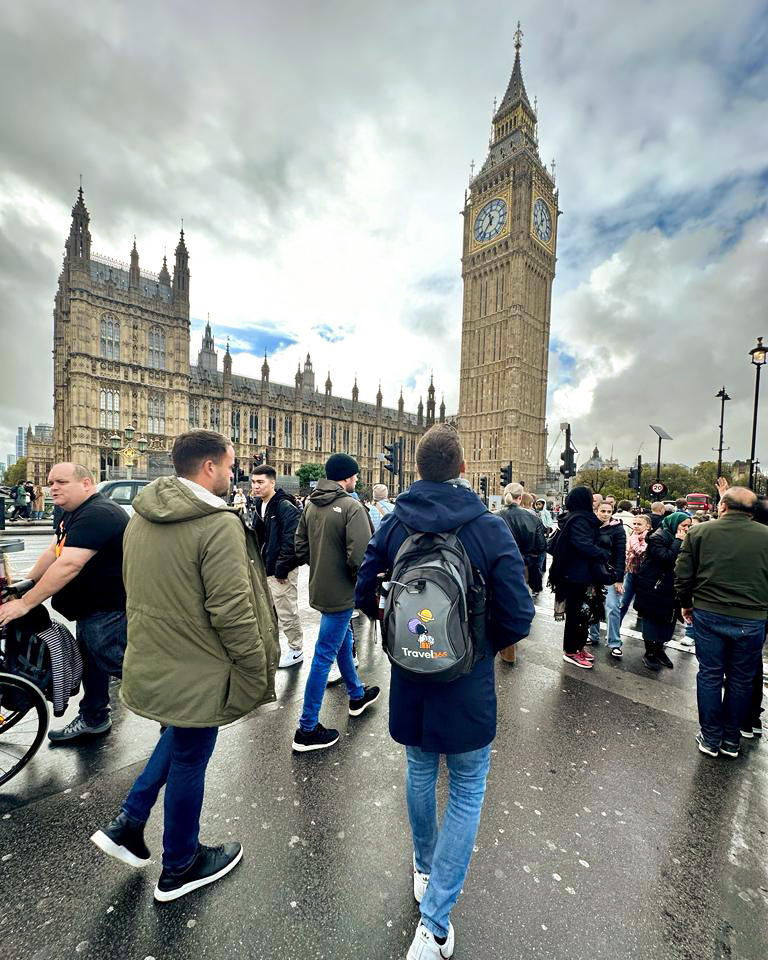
column 576, row 625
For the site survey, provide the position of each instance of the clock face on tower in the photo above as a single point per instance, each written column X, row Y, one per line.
column 542, row 221
column 490, row 221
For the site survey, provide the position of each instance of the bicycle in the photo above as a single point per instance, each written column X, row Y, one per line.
column 24, row 714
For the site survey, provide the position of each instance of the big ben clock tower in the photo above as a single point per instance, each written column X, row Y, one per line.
column 508, row 264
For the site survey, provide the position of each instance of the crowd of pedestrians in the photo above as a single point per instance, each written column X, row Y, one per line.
column 186, row 603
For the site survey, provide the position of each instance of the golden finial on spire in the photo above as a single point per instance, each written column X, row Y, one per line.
column 518, row 37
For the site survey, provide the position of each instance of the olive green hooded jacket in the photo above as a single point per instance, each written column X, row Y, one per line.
column 332, row 536
column 202, row 632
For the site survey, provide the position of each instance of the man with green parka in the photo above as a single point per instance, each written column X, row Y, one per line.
column 202, row 651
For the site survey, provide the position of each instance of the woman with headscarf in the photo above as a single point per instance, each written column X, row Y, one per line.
column 576, row 559
column 655, row 598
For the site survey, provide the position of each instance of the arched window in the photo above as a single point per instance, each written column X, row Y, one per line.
column 156, row 418
column 109, row 409
column 156, row 349
column 194, row 414
column 109, row 338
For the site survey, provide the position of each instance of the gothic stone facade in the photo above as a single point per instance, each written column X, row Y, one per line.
column 508, row 265
column 121, row 357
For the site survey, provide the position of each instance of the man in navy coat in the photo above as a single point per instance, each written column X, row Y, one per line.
column 457, row 719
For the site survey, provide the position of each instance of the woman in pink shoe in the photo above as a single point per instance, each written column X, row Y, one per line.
column 572, row 575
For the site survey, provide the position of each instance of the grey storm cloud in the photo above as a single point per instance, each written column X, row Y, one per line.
column 255, row 120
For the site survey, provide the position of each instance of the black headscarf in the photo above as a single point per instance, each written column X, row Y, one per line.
column 580, row 498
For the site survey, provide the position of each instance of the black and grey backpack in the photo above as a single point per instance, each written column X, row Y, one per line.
column 434, row 608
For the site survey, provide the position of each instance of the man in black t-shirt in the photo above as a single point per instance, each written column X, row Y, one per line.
column 82, row 573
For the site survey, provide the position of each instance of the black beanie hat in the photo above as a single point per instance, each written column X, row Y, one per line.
column 340, row 466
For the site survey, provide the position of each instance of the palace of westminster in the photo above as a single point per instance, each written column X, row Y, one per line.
column 121, row 348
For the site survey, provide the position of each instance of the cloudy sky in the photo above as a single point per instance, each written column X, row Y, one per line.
column 319, row 150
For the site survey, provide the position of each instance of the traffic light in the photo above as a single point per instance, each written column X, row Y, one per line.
column 506, row 475
column 392, row 458
column 568, row 468
column 633, row 479
column 484, row 486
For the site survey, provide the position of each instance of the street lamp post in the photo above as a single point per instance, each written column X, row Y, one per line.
column 722, row 396
column 662, row 435
column 128, row 453
column 757, row 355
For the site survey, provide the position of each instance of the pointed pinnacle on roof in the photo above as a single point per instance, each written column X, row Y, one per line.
column 516, row 91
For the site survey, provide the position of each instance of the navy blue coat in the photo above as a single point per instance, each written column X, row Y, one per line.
column 461, row 715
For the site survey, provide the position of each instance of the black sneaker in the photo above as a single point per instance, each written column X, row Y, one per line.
column 651, row 662
column 123, row 839
column 757, row 728
column 371, row 695
column 729, row 749
column 317, row 739
column 662, row 657
column 748, row 733
column 209, row 865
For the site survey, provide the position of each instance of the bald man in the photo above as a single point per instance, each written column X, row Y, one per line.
column 721, row 579
column 82, row 573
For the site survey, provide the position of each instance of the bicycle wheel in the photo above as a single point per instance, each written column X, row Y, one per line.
column 23, row 724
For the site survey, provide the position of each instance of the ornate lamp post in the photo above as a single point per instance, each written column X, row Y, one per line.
column 757, row 355
column 128, row 453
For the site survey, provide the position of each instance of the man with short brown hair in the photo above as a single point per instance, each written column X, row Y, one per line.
column 455, row 718
column 82, row 574
column 721, row 579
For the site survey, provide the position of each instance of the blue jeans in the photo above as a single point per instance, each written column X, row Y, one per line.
column 178, row 761
column 628, row 596
column 334, row 642
column 612, row 619
column 728, row 649
column 101, row 638
column 444, row 852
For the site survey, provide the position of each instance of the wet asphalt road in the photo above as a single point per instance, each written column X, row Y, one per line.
column 604, row 833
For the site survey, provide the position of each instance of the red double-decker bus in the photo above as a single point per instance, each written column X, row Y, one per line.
column 698, row 501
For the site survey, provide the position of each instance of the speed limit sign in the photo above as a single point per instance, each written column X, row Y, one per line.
column 658, row 488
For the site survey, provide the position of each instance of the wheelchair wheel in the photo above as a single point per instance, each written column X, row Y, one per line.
column 23, row 724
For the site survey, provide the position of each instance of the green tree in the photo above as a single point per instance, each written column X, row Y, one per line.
column 308, row 472
column 17, row 472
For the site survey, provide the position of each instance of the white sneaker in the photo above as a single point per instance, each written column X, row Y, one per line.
column 420, row 882
column 425, row 947
column 291, row 659
column 335, row 675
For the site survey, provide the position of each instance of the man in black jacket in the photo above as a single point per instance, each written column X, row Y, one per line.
column 275, row 522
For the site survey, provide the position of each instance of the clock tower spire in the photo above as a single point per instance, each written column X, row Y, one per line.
column 508, row 265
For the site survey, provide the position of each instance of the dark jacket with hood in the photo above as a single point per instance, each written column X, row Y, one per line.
column 331, row 537
column 577, row 553
column 202, row 632
column 655, row 597
column 277, row 532
column 461, row 715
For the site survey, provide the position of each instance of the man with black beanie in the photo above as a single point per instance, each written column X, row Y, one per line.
column 332, row 535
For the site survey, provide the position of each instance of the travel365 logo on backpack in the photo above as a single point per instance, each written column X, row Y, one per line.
column 434, row 611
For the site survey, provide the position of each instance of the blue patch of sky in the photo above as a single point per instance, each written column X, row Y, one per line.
column 561, row 363
column 253, row 340
column 594, row 239
column 331, row 334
